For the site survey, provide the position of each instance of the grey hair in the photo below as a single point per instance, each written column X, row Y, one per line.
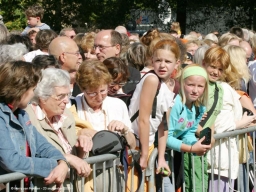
column 51, row 77
column 12, row 52
column 199, row 54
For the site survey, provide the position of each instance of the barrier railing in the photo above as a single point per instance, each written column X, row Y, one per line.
column 107, row 161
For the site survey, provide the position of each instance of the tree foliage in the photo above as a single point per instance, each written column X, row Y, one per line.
column 92, row 14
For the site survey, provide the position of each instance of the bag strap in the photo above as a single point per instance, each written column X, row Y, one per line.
column 153, row 114
column 124, row 161
column 209, row 113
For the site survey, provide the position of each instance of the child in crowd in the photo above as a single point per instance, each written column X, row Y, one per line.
column 217, row 65
column 43, row 40
column 183, row 119
column 165, row 59
column 34, row 16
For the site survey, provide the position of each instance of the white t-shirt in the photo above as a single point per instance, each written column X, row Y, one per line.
column 31, row 55
column 164, row 102
column 112, row 109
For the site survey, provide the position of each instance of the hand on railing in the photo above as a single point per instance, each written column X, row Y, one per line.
column 143, row 162
column 58, row 174
column 199, row 149
column 85, row 143
column 245, row 121
column 82, row 168
column 161, row 163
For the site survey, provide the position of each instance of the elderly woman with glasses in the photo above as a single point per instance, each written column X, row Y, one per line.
column 48, row 113
column 93, row 105
column 102, row 111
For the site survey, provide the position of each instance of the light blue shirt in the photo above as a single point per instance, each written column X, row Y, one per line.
column 183, row 123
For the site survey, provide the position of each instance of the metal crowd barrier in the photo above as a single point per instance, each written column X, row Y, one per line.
column 103, row 162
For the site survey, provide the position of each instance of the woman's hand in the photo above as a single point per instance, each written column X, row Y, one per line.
column 245, row 121
column 200, row 149
column 143, row 163
column 161, row 163
column 84, row 142
column 58, row 174
column 82, row 168
column 117, row 126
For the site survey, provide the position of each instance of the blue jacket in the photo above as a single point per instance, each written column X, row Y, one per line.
column 14, row 132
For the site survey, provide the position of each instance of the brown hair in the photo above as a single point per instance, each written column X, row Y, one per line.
column 44, row 38
column 169, row 45
column 35, row 11
column 16, row 78
column 116, row 67
column 217, row 55
column 87, row 42
column 149, row 36
column 92, row 74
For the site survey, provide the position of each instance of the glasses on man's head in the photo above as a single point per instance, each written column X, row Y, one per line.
column 102, row 47
column 121, row 84
column 93, row 94
column 62, row 96
column 73, row 53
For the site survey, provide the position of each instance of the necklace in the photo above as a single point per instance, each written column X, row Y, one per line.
column 85, row 116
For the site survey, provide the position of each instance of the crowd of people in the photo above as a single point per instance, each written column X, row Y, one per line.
column 57, row 90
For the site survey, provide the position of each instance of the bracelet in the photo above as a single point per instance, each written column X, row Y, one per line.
column 190, row 151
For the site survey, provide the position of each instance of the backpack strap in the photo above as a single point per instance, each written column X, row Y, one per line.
column 209, row 113
column 153, row 114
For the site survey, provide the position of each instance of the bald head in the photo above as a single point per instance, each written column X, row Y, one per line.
column 121, row 29
column 247, row 47
column 67, row 53
column 107, row 44
column 59, row 45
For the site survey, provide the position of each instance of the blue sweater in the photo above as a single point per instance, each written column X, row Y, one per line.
column 183, row 124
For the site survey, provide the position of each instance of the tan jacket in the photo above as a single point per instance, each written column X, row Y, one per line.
column 69, row 131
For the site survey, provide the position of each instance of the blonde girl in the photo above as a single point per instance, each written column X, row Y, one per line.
column 165, row 59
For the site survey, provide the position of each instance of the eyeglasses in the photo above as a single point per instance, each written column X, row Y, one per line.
column 76, row 53
column 101, row 47
column 121, row 84
column 61, row 97
column 93, row 94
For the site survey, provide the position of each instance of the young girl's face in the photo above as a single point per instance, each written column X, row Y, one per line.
column 164, row 62
column 194, row 88
column 214, row 71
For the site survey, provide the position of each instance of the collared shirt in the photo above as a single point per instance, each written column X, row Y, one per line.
column 58, row 121
column 112, row 109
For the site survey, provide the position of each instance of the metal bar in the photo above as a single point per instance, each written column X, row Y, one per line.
column 229, row 163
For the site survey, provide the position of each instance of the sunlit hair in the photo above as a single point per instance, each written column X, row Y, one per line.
column 116, row 38
column 217, row 55
column 51, row 78
column 35, row 11
column 199, row 54
column 12, row 52
column 136, row 55
column 87, row 42
column 176, row 26
column 212, row 37
column 64, row 30
column 78, row 39
column 169, row 45
column 227, row 37
column 92, row 74
column 149, row 36
column 16, row 77
column 238, row 60
column 117, row 68
column 202, row 100
column 44, row 38
column 253, row 42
